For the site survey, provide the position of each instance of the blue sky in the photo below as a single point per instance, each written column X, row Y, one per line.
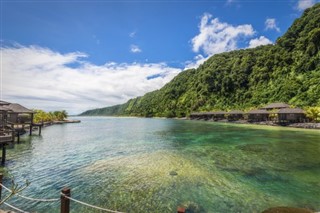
column 78, row 55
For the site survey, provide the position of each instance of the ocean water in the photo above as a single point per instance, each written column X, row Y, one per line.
column 156, row 165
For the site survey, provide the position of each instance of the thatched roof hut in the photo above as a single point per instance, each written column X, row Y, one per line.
column 219, row 113
column 200, row 115
column 291, row 111
column 275, row 106
column 258, row 115
column 19, row 114
column 258, row 111
column 235, row 115
column 235, row 112
column 292, row 115
column 17, row 108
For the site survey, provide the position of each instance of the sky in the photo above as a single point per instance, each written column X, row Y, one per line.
column 79, row 55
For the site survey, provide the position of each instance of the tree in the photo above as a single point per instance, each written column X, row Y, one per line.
column 313, row 113
column 42, row 116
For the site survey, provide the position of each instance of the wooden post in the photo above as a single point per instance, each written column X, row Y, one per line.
column 65, row 202
column 18, row 137
column 31, row 124
column 1, row 176
column 3, row 160
column 181, row 210
column 13, row 132
column 40, row 130
column 30, row 133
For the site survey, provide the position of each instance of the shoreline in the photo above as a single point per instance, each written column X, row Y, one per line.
column 49, row 123
column 312, row 126
column 305, row 126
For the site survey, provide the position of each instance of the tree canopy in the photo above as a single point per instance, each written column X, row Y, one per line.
column 42, row 116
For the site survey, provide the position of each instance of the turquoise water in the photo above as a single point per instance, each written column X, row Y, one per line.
column 155, row 165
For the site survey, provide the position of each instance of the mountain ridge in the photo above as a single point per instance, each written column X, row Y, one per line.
column 288, row 71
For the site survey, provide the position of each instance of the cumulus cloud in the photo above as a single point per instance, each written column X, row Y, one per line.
column 216, row 37
column 304, row 4
column 41, row 78
column 259, row 41
column 196, row 62
column 135, row 49
column 270, row 24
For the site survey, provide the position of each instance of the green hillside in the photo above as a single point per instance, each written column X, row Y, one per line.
column 288, row 71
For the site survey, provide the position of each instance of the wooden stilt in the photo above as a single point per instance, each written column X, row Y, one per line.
column 39, row 130
column 30, row 133
column 18, row 137
column 1, row 176
column 31, row 122
column 13, row 132
column 3, row 159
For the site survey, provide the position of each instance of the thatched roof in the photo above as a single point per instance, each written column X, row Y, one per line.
column 258, row 111
column 235, row 112
column 17, row 108
column 291, row 111
column 3, row 103
column 3, row 108
column 201, row 113
column 219, row 113
column 276, row 106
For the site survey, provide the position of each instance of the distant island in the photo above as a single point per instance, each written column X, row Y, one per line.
column 288, row 71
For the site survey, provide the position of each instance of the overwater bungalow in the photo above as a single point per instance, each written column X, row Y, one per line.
column 273, row 106
column 258, row 115
column 235, row 115
column 5, row 131
column 291, row 115
column 19, row 117
column 19, row 114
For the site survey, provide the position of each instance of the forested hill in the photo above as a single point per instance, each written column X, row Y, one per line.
column 288, row 71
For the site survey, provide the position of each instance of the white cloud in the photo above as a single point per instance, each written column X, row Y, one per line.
column 304, row 4
column 259, row 41
column 41, row 78
column 196, row 62
column 135, row 49
column 132, row 34
column 216, row 37
column 270, row 24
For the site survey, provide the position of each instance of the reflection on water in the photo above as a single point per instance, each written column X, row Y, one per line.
column 155, row 165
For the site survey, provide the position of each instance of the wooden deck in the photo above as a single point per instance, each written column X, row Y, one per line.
column 5, row 138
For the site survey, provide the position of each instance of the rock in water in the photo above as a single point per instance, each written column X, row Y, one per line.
column 173, row 173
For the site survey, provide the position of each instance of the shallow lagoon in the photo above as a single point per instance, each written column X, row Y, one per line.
column 155, row 165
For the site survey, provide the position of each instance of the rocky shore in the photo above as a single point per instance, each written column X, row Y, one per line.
column 271, row 123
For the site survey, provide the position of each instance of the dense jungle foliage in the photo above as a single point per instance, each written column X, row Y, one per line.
column 288, row 71
column 42, row 116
